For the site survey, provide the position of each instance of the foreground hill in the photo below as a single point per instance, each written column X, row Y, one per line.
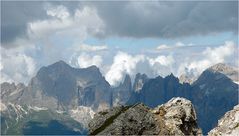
column 176, row 117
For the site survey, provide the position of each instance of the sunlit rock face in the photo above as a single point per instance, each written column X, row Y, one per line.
column 228, row 124
column 229, row 71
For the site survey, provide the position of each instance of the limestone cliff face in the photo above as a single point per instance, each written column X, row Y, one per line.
column 176, row 117
column 228, row 124
column 139, row 81
column 121, row 94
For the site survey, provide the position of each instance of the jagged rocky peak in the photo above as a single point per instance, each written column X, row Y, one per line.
column 126, row 85
column 229, row 71
column 60, row 86
column 172, row 77
column 139, row 81
column 176, row 117
column 121, row 94
column 228, row 124
column 11, row 86
column 60, row 63
column 57, row 66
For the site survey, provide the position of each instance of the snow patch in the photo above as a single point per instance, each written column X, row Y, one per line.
column 38, row 108
column 237, row 82
column 3, row 107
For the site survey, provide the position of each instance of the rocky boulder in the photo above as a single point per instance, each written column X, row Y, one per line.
column 176, row 117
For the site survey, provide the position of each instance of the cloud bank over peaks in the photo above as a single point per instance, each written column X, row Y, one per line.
column 125, row 63
column 210, row 56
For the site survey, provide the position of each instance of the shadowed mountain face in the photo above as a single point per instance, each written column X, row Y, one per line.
column 70, row 86
column 159, row 90
column 230, row 72
column 213, row 94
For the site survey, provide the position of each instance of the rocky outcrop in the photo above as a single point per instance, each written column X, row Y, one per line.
column 228, row 124
column 176, row 117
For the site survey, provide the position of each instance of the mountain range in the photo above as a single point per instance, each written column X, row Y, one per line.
column 76, row 94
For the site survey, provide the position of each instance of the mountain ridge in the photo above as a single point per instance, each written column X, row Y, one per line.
column 87, row 90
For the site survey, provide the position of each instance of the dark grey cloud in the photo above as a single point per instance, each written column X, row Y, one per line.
column 168, row 19
column 131, row 19
column 15, row 15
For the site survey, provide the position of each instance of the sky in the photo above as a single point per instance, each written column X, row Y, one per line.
column 127, row 37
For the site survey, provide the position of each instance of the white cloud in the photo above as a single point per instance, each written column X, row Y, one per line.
column 90, row 48
column 60, row 12
column 162, row 60
column 179, row 44
column 17, row 67
column 85, row 60
column 176, row 45
column 163, row 47
column 161, row 65
column 210, row 56
column 123, row 63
